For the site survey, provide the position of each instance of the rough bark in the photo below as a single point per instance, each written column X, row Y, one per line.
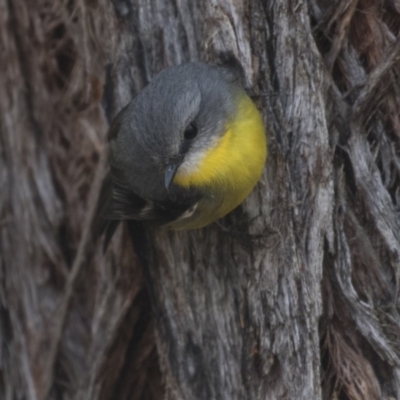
column 292, row 296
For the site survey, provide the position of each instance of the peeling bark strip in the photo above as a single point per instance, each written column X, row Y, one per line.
column 292, row 296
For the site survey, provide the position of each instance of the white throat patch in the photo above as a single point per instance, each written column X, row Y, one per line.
column 193, row 159
column 191, row 163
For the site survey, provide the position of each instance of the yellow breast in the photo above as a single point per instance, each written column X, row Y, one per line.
column 231, row 168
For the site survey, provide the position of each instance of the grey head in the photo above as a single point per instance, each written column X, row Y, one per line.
column 168, row 125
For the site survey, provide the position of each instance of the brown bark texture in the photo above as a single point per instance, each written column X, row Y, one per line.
column 294, row 295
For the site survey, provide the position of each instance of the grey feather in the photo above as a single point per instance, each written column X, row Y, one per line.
column 149, row 133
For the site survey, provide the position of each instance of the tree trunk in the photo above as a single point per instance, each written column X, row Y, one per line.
column 294, row 295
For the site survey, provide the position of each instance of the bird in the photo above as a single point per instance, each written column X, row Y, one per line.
column 186, row 151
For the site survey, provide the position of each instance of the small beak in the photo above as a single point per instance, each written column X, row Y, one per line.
column 170, row 172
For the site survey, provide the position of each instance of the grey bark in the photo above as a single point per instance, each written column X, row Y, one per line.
column 294, row 295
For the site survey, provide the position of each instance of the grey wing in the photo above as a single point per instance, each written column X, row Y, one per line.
column 113, row 207
column 117, row 203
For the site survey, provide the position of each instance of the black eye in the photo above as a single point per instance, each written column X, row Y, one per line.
column 190, row 132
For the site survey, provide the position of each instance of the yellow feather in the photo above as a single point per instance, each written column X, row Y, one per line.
column 229, row 170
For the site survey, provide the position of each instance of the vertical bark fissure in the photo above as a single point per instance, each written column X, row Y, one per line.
column 238, row 311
